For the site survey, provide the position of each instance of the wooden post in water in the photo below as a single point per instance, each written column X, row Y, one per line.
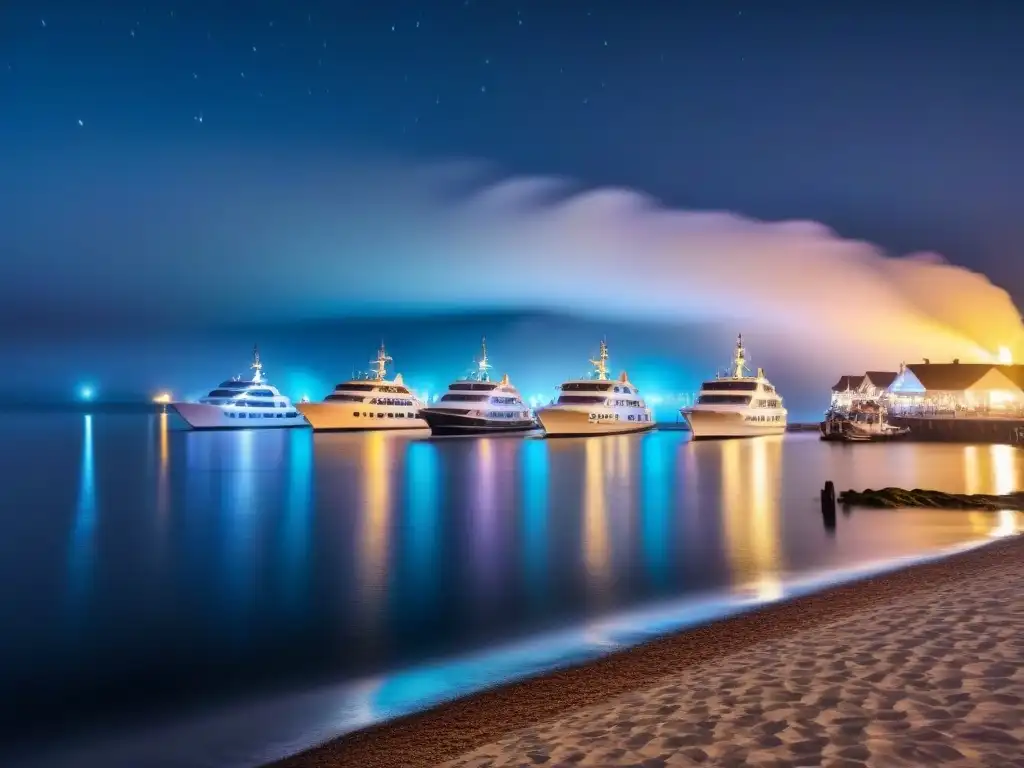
column 828, row 505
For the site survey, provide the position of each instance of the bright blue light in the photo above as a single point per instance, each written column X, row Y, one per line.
column 86, row 392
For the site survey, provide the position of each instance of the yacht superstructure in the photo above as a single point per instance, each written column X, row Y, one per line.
column 596, row 405
column 242, row 404
column 371, row 401
column 477, row 405
column 737, row 405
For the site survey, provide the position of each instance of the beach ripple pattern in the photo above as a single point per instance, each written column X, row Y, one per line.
column 935, row 677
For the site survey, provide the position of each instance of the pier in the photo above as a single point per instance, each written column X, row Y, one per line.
column 960, row 429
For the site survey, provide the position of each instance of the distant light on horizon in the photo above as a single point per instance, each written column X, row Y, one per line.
column 163, row 398
column 86, row 392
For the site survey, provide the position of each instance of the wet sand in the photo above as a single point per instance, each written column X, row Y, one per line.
column 924, row 666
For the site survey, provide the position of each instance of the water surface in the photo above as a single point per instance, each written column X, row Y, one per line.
column 151, row 576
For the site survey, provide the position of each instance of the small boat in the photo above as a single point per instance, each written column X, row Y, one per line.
column 865, row 422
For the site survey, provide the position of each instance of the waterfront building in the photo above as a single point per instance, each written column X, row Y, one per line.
column 951, row 389
column 851, row 390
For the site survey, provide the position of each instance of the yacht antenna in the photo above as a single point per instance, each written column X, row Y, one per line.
column 257, row 366
column 739, row 362
column 601, row 364
column 482, row 366
column 380, row 365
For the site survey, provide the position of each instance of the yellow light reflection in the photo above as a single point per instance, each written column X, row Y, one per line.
column 1004, row 467
column 163, row 398
column 375, row 514
column 1008, row 524
column 750, row 509
column 596, row 553
column 165, row 460
column 972, row 470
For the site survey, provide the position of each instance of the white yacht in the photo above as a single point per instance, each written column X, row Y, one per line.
column 477, row 405
column 737, row 405
column 596, row 405
column 242, row 404
column 370, row 401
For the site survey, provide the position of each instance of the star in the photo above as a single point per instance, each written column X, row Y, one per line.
column 483, row 89
column 43, row 21
column 80, row 123
column 254, row 49
column 198, row 118
column 132, row 33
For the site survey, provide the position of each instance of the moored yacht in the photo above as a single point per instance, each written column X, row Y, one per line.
column 737, row 405
column 371, row 401
column 477, row 405
column 596, row 405
column 242, row 404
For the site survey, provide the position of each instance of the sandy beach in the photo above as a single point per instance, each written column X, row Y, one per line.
column 920, row 667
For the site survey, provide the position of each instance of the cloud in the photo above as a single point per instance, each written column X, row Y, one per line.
column 228, row 237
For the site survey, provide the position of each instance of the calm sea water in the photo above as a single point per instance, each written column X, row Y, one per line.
column 218, row 598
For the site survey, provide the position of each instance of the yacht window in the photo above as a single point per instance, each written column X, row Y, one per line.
column 451, row 398
column 260, row 393
column 587, row 386
column 473, row 386
column 340, row 398
column 728, row 386
column 224, row 393
column 723, row 400
column 581, row 400
column 356, row 387
column 394, row 390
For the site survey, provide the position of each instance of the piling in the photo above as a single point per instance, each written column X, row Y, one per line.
column 828, row 505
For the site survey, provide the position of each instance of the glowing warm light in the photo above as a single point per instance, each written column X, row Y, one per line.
column 86, row 392
column 1005, row 356
column 750, row 511
column 163, row 398
column 999, row 397
column 596, row 547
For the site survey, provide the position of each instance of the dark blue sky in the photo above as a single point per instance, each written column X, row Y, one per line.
column 187, row 154
column 899, row 123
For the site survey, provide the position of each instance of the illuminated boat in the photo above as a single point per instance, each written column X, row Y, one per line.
column 596, row 405
column 477, row 405
column 242, row 404
column 372, row 401
column 737, row 405
column 865, row 422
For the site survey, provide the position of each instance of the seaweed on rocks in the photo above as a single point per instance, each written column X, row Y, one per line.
column 894, row 498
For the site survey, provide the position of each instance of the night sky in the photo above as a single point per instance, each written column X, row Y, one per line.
column 197, row 165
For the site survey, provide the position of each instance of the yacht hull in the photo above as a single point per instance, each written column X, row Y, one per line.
column 338, row 417
column 449, row 423
column 711, row 425
column 558, row 422
column 204, row 416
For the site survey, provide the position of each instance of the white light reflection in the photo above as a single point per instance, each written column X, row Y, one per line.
column 83, row 532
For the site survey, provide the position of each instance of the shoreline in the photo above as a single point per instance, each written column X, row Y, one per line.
column 450, row 730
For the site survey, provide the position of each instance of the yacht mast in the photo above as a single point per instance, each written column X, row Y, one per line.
column 482, row 366
column 380, row 365
column 739, row 362
column 257, row 366
column 601, row 364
